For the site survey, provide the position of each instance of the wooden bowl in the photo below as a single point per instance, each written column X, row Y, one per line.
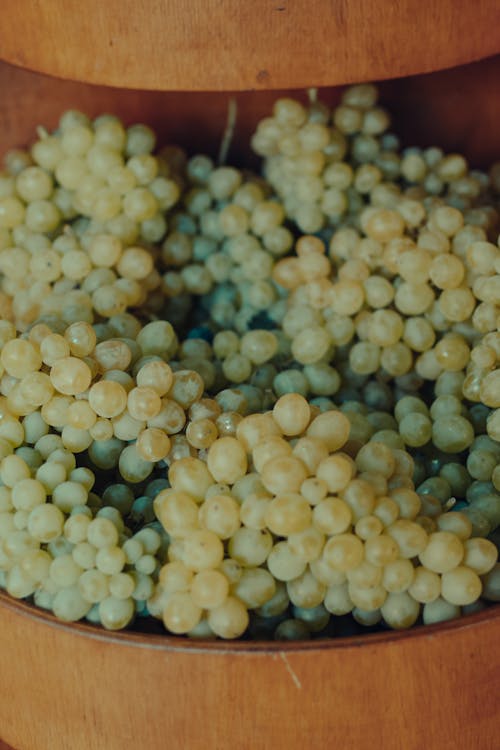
column 73, row 686
column 76, row 687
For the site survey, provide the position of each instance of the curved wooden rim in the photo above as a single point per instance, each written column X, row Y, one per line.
column 223, row 45
column 170, row 643
column 247, row 86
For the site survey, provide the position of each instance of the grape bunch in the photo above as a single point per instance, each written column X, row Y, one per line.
column 250, row 405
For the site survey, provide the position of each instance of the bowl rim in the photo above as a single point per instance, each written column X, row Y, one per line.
column 181, row 644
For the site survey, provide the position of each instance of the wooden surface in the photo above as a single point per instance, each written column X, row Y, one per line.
column 458, row 109
column 232, row 44
column 74, row 687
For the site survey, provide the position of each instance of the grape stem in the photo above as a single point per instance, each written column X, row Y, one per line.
column 312, row 94
column 232, row 112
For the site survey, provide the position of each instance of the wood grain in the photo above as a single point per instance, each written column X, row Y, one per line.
column 458, row 109
column 223, row 44
column 75, row 687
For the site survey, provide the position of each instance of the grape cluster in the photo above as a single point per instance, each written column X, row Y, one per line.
column 245, row 405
